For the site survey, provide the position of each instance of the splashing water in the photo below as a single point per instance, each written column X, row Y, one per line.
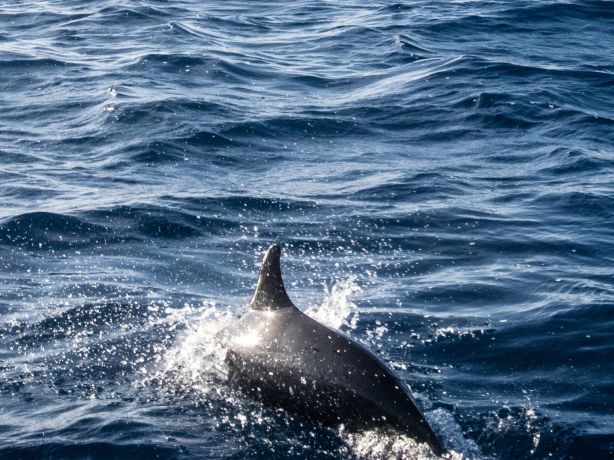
column 448, row 429
column 337, row 310
column 197, row 359
column 196, row 363
column 195, row 367
column 378, row 444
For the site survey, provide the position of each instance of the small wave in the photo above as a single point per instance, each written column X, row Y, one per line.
column 411, row 46
column 144, row 222
column 32, row 64
column 395, row 81
column 431, row 186
column 73, row 320
column 45, row 230
column 396, row 7
column 578, row 203
column 295, row 128
column 50, row 230
column 41, row 17
column 171, row 62
column 500, row 121
column 245, row 203
column 557, row 12
column 209, row 139
column 213, row 67
column 59, row 449
column 486, row 100
column 124, row 15
column 565, row 161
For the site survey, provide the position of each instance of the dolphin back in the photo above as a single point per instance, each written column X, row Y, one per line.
column 286, row 359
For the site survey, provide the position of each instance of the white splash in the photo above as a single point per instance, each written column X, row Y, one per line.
column 450, row 432
column 380, row 445
column 446, row 332
column 196, row 362
column 337, row 309
column 383, row 445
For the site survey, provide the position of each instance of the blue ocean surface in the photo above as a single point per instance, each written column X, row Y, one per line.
column 440, row 175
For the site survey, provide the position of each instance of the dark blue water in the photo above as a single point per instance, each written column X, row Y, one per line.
column 441, row 175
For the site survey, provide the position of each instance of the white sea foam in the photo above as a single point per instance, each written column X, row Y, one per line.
column 376, row 444
column 196, row 362
column 380, row 444
column 337, row 310
column 451, row 434
column 447, row 332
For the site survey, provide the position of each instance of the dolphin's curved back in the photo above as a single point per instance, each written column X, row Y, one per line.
column 286, row 348
column 270, row 293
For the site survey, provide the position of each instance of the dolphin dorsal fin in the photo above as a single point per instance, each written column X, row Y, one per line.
column 270, row 293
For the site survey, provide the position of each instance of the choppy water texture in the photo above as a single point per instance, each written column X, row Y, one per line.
column 440, row 174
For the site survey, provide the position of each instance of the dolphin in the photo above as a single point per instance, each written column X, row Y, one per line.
column 284, row 358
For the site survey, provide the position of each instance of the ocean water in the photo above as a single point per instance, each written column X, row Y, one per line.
column 439, row 173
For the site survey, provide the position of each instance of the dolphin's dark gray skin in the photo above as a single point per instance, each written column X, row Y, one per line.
column 286, row 359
